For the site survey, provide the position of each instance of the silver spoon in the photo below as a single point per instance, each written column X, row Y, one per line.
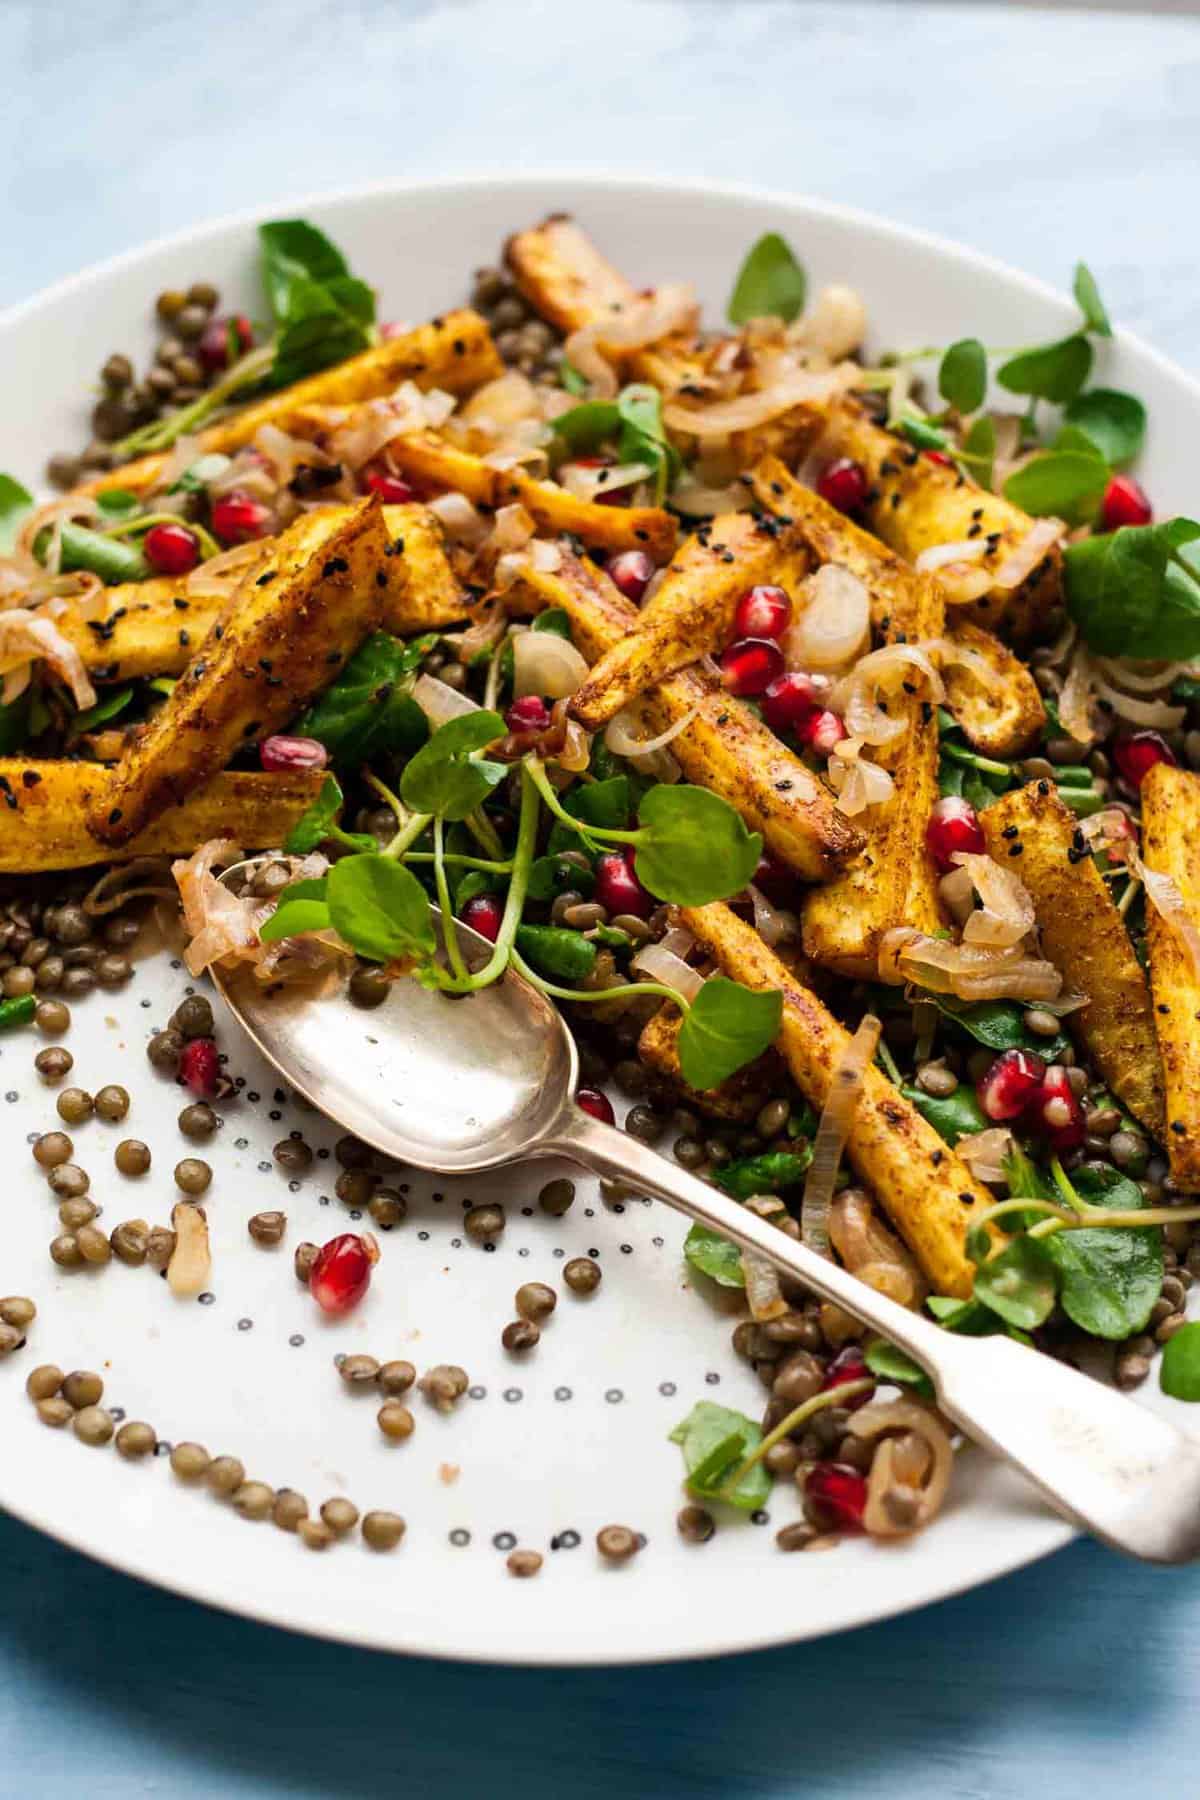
column 460, row 1085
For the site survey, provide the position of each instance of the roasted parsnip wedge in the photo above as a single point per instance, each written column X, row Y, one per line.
column 742, row 1097
column 1171, row 846
column 892, row 880
column 1001, row 713
column 915, row 504
column 289, row 631
column 148, row 628
column 927, row 1191
column 691, row 613
column 425, row 593
column 454, row 352
column 43, row 818
column 722, row 744
column 1084, row 936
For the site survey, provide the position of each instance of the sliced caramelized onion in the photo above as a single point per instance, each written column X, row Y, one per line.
column 463, row 521
column 632, row 327
column 795, row 387
column 835, row 324
column 1155, row 714
column 833, row 1128
column 1005, row 914
column 1021, row 561
column 873, row 1252
column 938, row 556
column 575, row 752
column 1110, row 830
column 1075, row 700
column 1139, row 677
column 763, row 1292
column 679, row 940
column 546, row 664
column 834, row 623
column 957, row 893
column 948, row 653
column 857, row 783
column 984, row 1152
column 439, row 702
column 658, row 963
column 221, row 575
column 895, row 1506
column 774, row 925
column 588, row 483
column 144, row 876
column 962, row 582
column 856, row 695
column 26, row 636
column 545, row 557
column 1167, row 901
column 650, row 755
column 965, row 970
column 695, row 500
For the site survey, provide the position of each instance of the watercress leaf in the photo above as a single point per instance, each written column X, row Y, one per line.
column 694, row 847
column 714, row 1256
column 380, row 908
column 320, row 821
column 197, row 475
column 1066, row 483
column 891, row 1363
column 713, row 1440
column 769, row 1173
column 319, row 334
column 726, row 1027
column 557, row 953
column 369, row 708
column 587, row 425
column 605, row 804
column 1087, row 298
column 118, row 503
column 1110, row 1277
column 555, row 619
column 1054, row 372
column 443, row 778
column 1121, row 597
column 962, row 375
column 970, row 1318
column 1179, row 1373
column 293, row 250
column 552, row 875
column 109, row 706
column 770, row 284
column 957, row 1115
column 980, row 445
column 1114, row 422
column 292, row 917
column 1020, row 1284
column 16, row 503
column 1000, row 1024
column 643, row 437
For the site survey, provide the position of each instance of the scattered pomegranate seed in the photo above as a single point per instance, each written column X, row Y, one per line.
column 199, row 1067
column 597, row 1104
column 631, row 571
column 953, row 826
column 1137, row 754
column 789, row 701
column 214, row 345
column 775, row 880
column 844, row 485
column 283, row 752
column 838, row 1493
column 749, row 666
column 236, row 518
column 618, row 889
column 1014, row 1079
column 762, row 612
column 390, row 488
column 530, row 713
column 1057, row 1111
column 341, row 1274
column 484, row 914
column 847, row 1365
column 939, row 456
column 822, row 731
column 171, row 549
column 1125, row 502
column 391, row 328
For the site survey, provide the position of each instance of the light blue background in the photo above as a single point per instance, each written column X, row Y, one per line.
column 1040, row 136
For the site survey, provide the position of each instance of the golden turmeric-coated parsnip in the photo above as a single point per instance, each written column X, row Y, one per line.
column 44, row 807
column 915, row 504
column 927, row 1191
column 454, row 352
column 1033, row 832
column 722, row 745
column 1000, row 714
column 1171, row 846
column 290, row 630
column 691, row 614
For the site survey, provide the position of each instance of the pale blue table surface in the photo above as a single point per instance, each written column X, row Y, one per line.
column 1040, row 136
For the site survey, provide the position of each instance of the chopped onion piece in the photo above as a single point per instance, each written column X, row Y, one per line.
column 873, row 1252
column 1006, row 913
column 774, row 925
column 1155, row 714
column 588, row 483
column 984, row 1152
column 957, row 893
column 678, row 939
column 1139, row 677
column 696, row 501
column 546, row 664
column 657, row 963
column 1025, row 557
column 966, row 970
column 835, row 324
column 858, row 784
column 797, row 387
column 833, row 1128
column 764, row 1295
column 221, row 575
column 1075, row 700
column 896, row 1507
column 464, row 523
column 937, row 556
column 25, row 635
column 948, row 653
column 633, row 327
column 855, row 696
column 834, row 622
column 439, row 702
column 621, row 736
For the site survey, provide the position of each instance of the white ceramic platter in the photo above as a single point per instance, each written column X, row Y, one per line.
column 546, row 1450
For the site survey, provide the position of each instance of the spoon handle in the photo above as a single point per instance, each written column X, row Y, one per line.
column 1130, row 1478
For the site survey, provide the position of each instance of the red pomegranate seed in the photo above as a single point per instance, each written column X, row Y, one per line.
column 341, row 1274
column 838, row 1493
column 822, row 731
column 171, row 549
column 775, row 880
column 236, row 518
column 530, row 713
column 750, row 665
column 1137, row 754
column 282, row 752
column 484, row 914
column 939, row 456
column 848, row 1365
column 1125, row 502
column 1014, row 1079
column 953, row 826
column 199, row 1067
column 789, row 701
column 1057, row 1111
column 597, row 1104
column 390, row 488
column 844, row 485
column 618, row 889
column 762, row 612
column 631, row 571
column 214, row 345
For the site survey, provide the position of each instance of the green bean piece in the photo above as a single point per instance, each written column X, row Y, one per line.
column 561, row 954
column 18, row 1011
column 111, row 559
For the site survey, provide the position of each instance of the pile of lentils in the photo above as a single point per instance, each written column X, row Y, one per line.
column 525, row 341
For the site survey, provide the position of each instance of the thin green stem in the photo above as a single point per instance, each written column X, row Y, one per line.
column 484, row 833
column 889, row 1062
column 629, row 991
column 449, row 934
column 1064, row 1186
column 491, row 687
column 545, row 788
column 452, row 857
column 164, row 432
column 527, row 827
column 407, row 834
column 836, row 1396
column 387, row 796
